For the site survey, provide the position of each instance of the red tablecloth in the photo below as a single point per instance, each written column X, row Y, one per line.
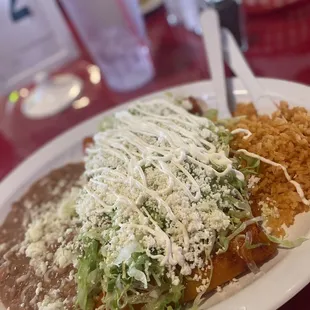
column 263, row 6
column 279, row 47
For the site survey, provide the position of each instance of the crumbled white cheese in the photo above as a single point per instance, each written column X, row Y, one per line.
column 217, row 220
column 66, row 207
column 71, row 275
column 50, row 224
column 186, row 104
column 3, row 247
column 35, row 231
column 219, row 289
column 253, row 181
column 50, row 304
column 203, row 287
column 36, row 249
column 63, row 257
column 269, row 209
column 158, row 173
column 39, row 288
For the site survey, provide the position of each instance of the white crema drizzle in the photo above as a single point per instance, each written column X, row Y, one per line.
column 156, row 140
column 247, row 132
column 297, row 186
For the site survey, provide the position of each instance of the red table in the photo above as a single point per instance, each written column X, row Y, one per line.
column 279, row 48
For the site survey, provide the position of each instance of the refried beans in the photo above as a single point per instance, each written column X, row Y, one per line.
column 30, row 279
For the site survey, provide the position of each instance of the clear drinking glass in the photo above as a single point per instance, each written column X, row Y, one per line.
column 185, row 12
column 114, row 33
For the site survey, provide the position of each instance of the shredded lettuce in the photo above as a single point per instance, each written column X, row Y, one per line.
column 225, row 137
column 225, row 240
column 132, row 277
column 252, row 165
column 287, row 244
column 126, row 252
column 255, row 245
column 107, row 123
column 134, row 274
column 138, row 275
column 88, row 275
column 211, row 114
column 228, row 122
column 170, row 299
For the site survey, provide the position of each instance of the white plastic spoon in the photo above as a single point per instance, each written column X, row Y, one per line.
column 214, row 53
column 237, row 63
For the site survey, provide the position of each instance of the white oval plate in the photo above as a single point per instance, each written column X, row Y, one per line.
column 279, row 280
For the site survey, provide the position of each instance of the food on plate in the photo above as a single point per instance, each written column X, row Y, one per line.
column 34, row 261
column 283, row 138
column 171, row 205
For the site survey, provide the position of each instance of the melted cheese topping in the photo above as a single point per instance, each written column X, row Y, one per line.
column 157, row 184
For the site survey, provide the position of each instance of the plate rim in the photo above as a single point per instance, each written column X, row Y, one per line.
column 289, row 287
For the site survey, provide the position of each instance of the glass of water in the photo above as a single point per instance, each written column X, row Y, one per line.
column 185, row 12
column 115, row 35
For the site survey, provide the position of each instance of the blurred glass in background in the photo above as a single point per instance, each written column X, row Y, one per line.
column 34, row 38
column 114, row 33
column 35, row 42
column 184, row 12
column 187, row 13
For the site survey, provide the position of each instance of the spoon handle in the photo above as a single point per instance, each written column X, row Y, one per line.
column 236, row 61
column 213, row 47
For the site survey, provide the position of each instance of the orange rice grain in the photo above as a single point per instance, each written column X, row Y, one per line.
column 284, row 138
